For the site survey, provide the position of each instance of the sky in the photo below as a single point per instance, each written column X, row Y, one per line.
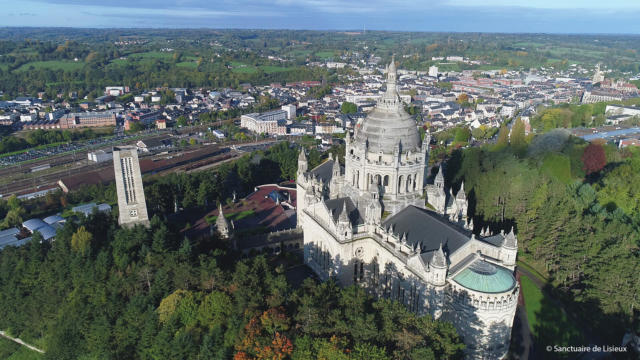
column 509, row 16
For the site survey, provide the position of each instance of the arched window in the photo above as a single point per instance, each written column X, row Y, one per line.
column 386, row 180
column 378, row 180
column 400, row 184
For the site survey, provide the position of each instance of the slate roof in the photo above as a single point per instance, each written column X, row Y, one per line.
column 495, row 240
column 335, row 207
column 324, row 171
column 430, row 229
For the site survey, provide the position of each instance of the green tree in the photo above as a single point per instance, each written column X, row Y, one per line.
column 503, row 137
column 348, row 108
column 81, row 241
column 517, row 138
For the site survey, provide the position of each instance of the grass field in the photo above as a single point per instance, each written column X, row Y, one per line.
column 64, row 65
column 269, row 69
column 152, row 55
column 12, row 351
column 325, row 54
column 548, row 322
column 187, row 64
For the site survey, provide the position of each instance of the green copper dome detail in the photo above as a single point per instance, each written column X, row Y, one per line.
column 485, row 277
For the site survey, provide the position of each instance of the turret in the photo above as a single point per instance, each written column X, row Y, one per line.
column 345, row 230
column 336, row 180
column 302, row 162
column 373, row 212
column 462, row 202
column 438, row 267
column 439, row 180
column 336, row 168
column 509, row 249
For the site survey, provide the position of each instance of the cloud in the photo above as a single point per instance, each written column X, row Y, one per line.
column 404, row 15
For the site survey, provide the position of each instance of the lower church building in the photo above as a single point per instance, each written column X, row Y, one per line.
column 367, row 223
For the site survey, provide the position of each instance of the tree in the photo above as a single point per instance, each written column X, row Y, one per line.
column 348, row 108
column 503, row 137
column 462, row 135
column 182, row 120
column 81, row 241
column 593, row 158
column 518, row 141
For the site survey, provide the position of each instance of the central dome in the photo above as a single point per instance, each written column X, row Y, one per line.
column 388, row 124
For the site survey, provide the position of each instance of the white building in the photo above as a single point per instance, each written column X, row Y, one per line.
column 290, row 110
column 433, row 71
column 131, row 201
column 366, row 224
column 28, row 117
column 99, row 156
column 265, row 123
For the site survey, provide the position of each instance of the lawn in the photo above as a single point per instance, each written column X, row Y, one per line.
column 548, row 323
column 12, row 351
column 65, row 65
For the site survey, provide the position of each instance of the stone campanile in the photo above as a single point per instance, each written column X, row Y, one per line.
column 131, row 202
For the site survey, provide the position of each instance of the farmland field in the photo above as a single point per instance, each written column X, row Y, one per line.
column 65, row 65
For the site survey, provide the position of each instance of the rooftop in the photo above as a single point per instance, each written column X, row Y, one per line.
column 485, row 277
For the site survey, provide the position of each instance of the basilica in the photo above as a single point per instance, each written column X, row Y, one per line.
column 376, row 223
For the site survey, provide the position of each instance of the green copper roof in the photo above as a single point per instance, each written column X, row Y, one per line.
column 484, row 277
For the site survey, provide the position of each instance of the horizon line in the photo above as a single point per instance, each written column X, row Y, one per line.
column 318, row 30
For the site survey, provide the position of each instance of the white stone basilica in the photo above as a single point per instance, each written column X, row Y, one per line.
column 366, row 224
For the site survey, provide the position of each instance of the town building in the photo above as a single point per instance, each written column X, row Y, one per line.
column 131, row 201
column 367, row 224
column 264, row 123
column 88, row 119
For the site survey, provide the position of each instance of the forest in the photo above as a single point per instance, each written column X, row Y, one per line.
column 575, row 208
column 100, row 291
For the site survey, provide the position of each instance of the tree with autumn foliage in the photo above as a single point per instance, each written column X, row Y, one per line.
column 264, row 337
column 593, row 158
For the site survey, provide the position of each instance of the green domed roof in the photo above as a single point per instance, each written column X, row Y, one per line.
column 485, row 277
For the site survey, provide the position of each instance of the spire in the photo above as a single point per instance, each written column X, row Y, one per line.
column 439, row 180
column 510, row 240
column 222, row 224
column 336, row 167
column 391, row 98
column 302, row 162
column 439, row 260
column 461, row 195
column 344, row 214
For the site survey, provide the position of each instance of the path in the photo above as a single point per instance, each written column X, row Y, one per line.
column 3, row 334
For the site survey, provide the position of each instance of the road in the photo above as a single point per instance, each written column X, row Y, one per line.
column 16, row 340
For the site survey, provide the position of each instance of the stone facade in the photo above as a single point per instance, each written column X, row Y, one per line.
column 131, row 201
column 366, row 224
